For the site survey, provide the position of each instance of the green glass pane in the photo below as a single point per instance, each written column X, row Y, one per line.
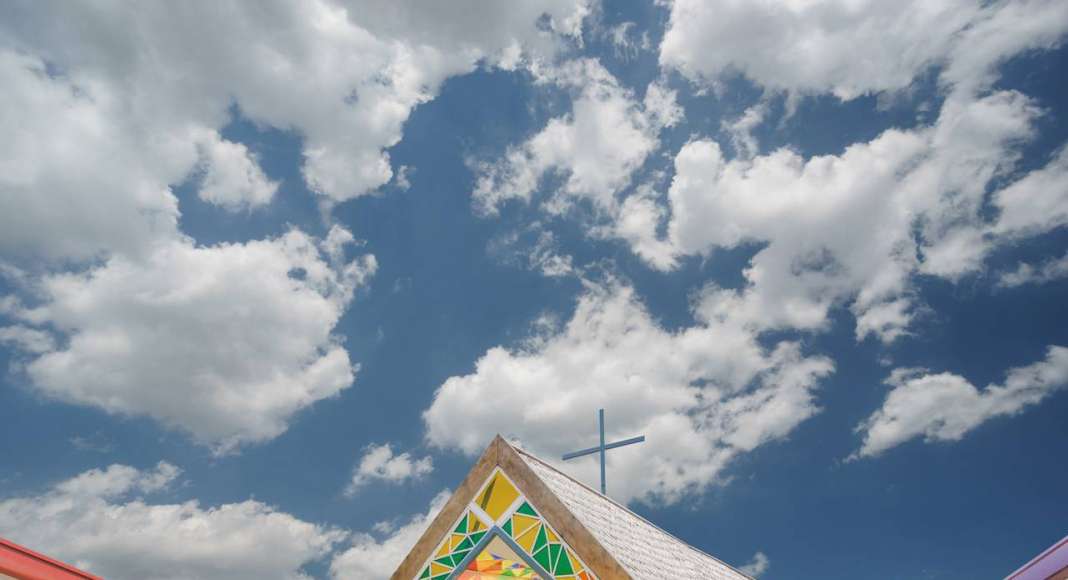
column 458, row 557
column 508, row 527
column 425, row 574
column 464, row 545
column 542, row 558
column 525, row 509
column 554, row 555
column 475, row 537
column 541, row 540
column 563, row 565
column 461, row 528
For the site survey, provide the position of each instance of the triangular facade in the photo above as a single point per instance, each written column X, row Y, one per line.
column 515, row 516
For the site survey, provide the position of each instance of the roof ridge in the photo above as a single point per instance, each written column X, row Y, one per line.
column 526, row 453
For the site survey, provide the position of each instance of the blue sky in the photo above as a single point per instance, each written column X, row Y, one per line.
column 272, row 275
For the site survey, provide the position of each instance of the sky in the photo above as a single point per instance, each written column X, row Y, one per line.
column 273, row 274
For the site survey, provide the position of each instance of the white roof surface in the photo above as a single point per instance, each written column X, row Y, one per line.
column 644, row 550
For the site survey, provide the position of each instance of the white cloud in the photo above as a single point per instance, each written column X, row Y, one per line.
column 741, row 130
column 99, row 521
column 945, row 406
column 107, row 107
column 371, row 559
column 626, row 42
column 380, row 463
column 1037, row 202
column 233, row 178
column 117, row 480
column 402, row 178
column 853, row 229
column 1048, row 271
column 638, row 223
column 545, row 258
column 853, row 47
column 534, row 248
column 27, row 339
column 850, row 229
column 225, row 342
column 595, row 148
column 758, row 566
column 702, row 395
column 64, row 193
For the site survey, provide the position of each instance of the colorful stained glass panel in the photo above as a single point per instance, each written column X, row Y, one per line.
column 497, row 496
column 454, row 548
column 498, row 560
column 536, row 538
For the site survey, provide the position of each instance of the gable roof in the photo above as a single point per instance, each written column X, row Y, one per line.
column 22, row 562
column 642, row 548
column 614, row 542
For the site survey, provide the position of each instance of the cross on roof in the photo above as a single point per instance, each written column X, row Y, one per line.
column 603, row 447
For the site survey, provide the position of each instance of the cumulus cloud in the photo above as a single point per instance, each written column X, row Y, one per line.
column 741, row 130
column 30, row 340
column 758, row 566
column 945, row 406
column 595, row 148
column 63, row 192
column 851, row 229
column 225, row 342
column 100, row 521
column 233, row 178
column 380, row 463
column 1048, row 271
column 701, row 395
column 850, row 48
column 108, row 107
column 1036, row 203
column 842, row 229
column 854, row 229
column 371, row 558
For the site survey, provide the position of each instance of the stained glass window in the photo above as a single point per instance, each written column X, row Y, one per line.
column 530, row 531
column 513, row 516
column 455, row 547
column 498, row 560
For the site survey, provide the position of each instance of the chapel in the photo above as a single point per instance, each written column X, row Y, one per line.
column 516, row 516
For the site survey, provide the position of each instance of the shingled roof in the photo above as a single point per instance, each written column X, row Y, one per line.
column 614, row 542
column 642, row 548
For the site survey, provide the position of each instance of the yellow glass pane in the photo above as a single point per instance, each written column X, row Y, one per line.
column 497, row 496
column 521, row 524
column 475, row 524
column 527, row 539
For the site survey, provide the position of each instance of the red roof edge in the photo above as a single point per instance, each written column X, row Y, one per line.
column 25, row 564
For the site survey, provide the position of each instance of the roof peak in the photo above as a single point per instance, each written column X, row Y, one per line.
column 572, row 480
column 613, row 541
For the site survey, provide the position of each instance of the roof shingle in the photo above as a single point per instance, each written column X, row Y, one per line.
column 644, row 550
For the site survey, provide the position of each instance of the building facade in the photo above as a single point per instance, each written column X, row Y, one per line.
column 516, row 516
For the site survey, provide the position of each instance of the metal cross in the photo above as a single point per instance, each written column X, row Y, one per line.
column 603, row 447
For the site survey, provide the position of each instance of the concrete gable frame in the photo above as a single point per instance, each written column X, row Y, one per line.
column 499, row 454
